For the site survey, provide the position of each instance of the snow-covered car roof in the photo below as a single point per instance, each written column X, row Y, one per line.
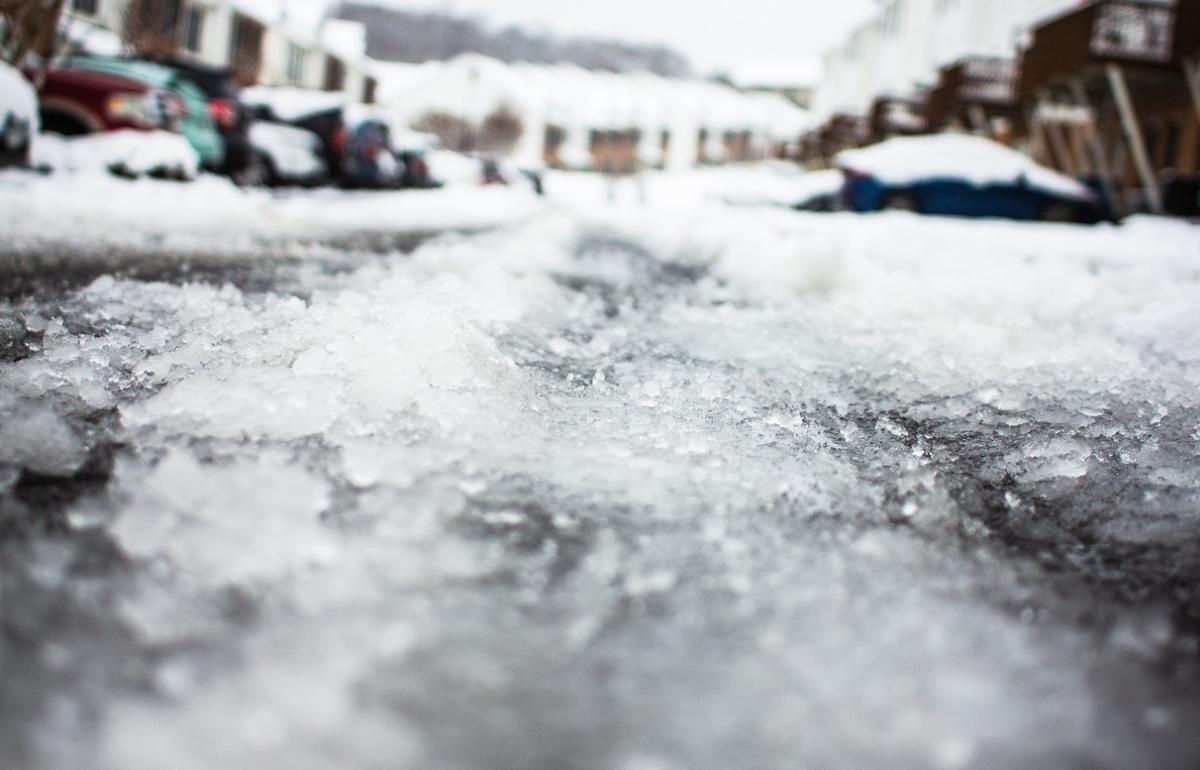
column 971, row 159
column 292, row 103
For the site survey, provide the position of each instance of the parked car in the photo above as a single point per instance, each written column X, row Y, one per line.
column 232, row 119
column 447, row 167
column 1181, row 194
column 18, row 117
column 368, row 162
column 496, row 171
column 415, row 173
column 287, row 155
column 818, row 191
column 412, row 149
column 78, row 102
column 168, row 98
column 966, row 176
column 320, row 112
column 327, row 124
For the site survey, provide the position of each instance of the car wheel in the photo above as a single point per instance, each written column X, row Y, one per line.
column 1058, row 211
column 257, row 173
column 902, row 201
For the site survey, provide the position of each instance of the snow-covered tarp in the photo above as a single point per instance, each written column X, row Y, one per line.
column 972, row 159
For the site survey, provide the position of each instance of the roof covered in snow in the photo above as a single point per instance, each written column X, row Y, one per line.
column 293, row 103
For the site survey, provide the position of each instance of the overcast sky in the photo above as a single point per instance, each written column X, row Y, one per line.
column 717, row 35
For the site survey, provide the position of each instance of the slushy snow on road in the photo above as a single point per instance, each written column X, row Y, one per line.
column 595, row 486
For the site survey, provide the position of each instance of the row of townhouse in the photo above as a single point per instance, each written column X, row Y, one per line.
column 1108, row 89
column 576, row 118
column 902, row 49
column 258, row 39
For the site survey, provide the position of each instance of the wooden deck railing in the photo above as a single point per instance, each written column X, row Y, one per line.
column 987, row 82
column 1131, row 32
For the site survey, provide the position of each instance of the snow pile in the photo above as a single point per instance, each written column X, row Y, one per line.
column 125, row 153
column 38, row 440
column 98, row 220
column 223, row 524
column 85, row 37
column 17, row 96
column 972, row 159
column 18, row 106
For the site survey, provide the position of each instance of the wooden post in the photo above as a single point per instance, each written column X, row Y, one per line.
column 1037, row 141
column 1083, row 158
column 1191, row 71
column 1095, row 145
column 978, row 119
column 1133, row 135
column 1120, row 162
column 1062, row 148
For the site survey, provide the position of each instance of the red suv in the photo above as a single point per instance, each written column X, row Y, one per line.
column 77, row 102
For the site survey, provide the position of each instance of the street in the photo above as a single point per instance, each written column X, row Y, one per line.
column 472, row 479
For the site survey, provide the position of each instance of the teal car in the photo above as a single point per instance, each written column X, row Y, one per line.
column 199, row 128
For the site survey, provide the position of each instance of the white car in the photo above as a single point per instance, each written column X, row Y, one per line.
column 287, row 155
column 18, row 117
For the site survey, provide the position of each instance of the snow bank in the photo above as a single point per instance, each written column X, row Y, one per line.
column 39, row 440
column 125, row 153
column 95, row 219
column 976, row 160
column 182, row 510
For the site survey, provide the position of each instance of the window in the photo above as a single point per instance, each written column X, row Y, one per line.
column 297, row 64
column 245, row 49
column 193, row 30
column 170, row 18
column 335, row 74
column 87, row 7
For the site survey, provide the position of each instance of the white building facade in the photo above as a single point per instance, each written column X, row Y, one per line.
column 899, row 51
column 302, row 53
